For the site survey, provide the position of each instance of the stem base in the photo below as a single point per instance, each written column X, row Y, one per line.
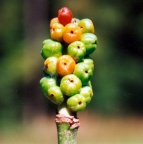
column 67, row 127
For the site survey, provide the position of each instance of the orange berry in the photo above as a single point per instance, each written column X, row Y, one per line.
column 56, row 31
column 72, row 32
column 65, row 65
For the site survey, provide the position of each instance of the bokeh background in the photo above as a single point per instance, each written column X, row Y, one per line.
column 115, row 114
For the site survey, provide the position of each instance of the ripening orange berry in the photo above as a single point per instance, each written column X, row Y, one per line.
column 72, row 32
column 56, row 31
column 65, row 65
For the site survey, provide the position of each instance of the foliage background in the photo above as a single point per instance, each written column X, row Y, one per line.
column 118, row 76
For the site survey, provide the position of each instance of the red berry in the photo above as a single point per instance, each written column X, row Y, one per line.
column 64, row 15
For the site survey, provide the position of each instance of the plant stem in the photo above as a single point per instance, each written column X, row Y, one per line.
column 67, row 126
column 65, row 134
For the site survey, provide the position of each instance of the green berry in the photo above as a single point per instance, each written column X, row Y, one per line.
column 70, row 85
column 55, row 95
column 90, row 41
column 90, row 62
column 87, row 93
column 76, row 103
column 84, row 72
column 51, row 48
column 46, row 83
column 77, row 50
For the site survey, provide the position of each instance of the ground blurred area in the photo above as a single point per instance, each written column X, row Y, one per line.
column 94, row 129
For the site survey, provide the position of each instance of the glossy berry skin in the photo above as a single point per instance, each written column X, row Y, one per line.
column 86, row 26
column 56, row 31
column 87, row 92
column 50, row 66
column 70, row 85
column 90, row 62
column 90, row 41
column 64, row 15
column 46, row 83
column 51, row 48
column 55, row 95
column 77, row 50
column 65, row 65
column 71, row 33
column 54, row 20
column 76, row 103
column 84, row 72
column 75, row 21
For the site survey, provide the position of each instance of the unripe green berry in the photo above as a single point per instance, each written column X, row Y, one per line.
column 87, row 92
column 90, row 62
column 55, row 95
column 77, row 50
column 90, row 41
column 70, row 85
column 76, row 103
column 46, row 83
column 51, row 48
column 84, row 72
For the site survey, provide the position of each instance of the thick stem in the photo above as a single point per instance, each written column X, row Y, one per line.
column 67, row 127
column 65, row 134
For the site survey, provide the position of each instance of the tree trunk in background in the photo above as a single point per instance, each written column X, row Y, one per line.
column 36, row 20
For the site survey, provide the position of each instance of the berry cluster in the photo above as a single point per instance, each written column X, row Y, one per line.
column 68, row 67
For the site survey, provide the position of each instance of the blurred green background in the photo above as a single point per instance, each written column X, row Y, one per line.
column 118, row 75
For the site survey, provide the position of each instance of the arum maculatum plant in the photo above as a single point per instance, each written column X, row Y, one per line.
column 68, row 70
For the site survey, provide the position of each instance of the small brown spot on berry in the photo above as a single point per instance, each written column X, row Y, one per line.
column 79, row 102
column 71, row 80
column 86, row 71
column 52, row 95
